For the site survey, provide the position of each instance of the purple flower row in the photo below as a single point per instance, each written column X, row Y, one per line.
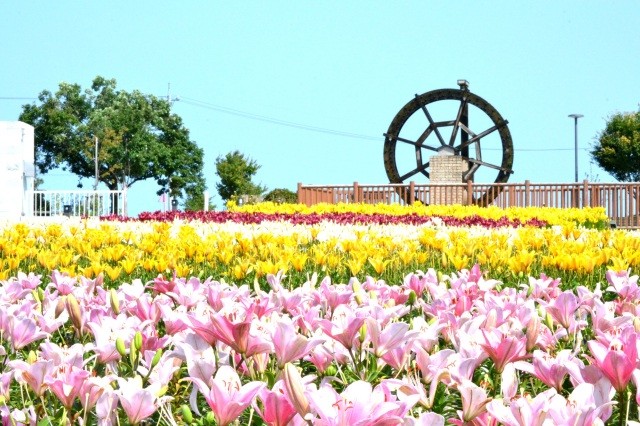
column 345, row 218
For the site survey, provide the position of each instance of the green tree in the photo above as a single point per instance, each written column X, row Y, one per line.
column 281, row 195
column 137, row 136
column 235, row 172
column 618, row 148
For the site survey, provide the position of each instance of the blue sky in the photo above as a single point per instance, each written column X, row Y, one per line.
column 307, row 89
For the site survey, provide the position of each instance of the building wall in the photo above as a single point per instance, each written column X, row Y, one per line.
column 16, row 169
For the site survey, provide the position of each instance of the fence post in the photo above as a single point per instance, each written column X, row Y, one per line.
column 527, row 193
column 300, row 193
column 356, row 196
column 412, row 192
column 585, row 193
column 469, row 192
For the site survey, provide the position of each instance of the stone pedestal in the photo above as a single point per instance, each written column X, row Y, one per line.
column 447, row 169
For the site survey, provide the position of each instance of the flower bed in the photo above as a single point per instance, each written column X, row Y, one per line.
column 435, row 347
column 275, row 321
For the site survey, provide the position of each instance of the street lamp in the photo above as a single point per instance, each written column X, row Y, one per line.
column 575, row 120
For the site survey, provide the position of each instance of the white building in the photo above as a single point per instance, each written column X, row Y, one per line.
column 16, row 169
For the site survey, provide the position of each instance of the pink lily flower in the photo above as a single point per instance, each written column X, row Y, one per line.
column 551, row 370
column 33, row 374
column 588, row 404
column 415, row 282
column 382, row 340
column 5, row 383
column 626, row 286
column 202, row 327
column 62, row 355
column 14, row 290
column 187, row 294
column 324, row 355
column 161, row 285
column 503, row 348
column 344, row 325
column 427, row 418
column 237, row 334
column 107, row 407
column 522, row 411
column 137, row 402
column 22, row 331
column 227, row 397
column 563, row 309
column 290, row 346
column 430, row 366
column 30, row 281
column 359, row 404
column 332, row 296
column 146, row 308
column 619, row 359
column 543, row 288
column 200, row 357
column 62, row 282
column 67, row 384
column 106, row 330
column 474, row 400
column 398, row 356
column 276, row 409
column 428, row 332
column 93, row 388
column 175, row 320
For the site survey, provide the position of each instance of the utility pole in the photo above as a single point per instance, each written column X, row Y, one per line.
column 95, row 185
column 169, row 98
column 575, row 131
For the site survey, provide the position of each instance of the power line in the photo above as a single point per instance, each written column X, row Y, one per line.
column 272, row 120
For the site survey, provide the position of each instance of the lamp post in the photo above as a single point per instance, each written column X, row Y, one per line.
column 575, row 120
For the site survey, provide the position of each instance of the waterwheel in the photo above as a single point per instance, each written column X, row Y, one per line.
column 454, row 122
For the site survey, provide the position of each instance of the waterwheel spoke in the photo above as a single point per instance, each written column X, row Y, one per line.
column 457, row 124
column 420, row 168
column 489, row 165
column 476, row 138
column 417, row 144
column 431, row 123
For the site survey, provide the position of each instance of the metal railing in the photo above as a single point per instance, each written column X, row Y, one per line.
column 620, row 200
column 77, row 203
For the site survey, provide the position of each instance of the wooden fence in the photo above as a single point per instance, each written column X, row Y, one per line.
column 620, row 200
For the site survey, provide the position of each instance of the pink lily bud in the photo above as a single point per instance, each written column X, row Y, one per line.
column 74, row 312
column 114, row 301
column 533, row 329
column 60, row 306
column 295, row 389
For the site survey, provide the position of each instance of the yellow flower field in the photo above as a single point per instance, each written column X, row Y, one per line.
column 122, row 251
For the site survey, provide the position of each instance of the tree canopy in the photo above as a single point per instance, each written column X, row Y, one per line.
column 137, row 135
column 235, row 172
column 618, row 148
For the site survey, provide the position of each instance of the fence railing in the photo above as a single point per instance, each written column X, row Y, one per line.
column 620, row 200
column 77, row 203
